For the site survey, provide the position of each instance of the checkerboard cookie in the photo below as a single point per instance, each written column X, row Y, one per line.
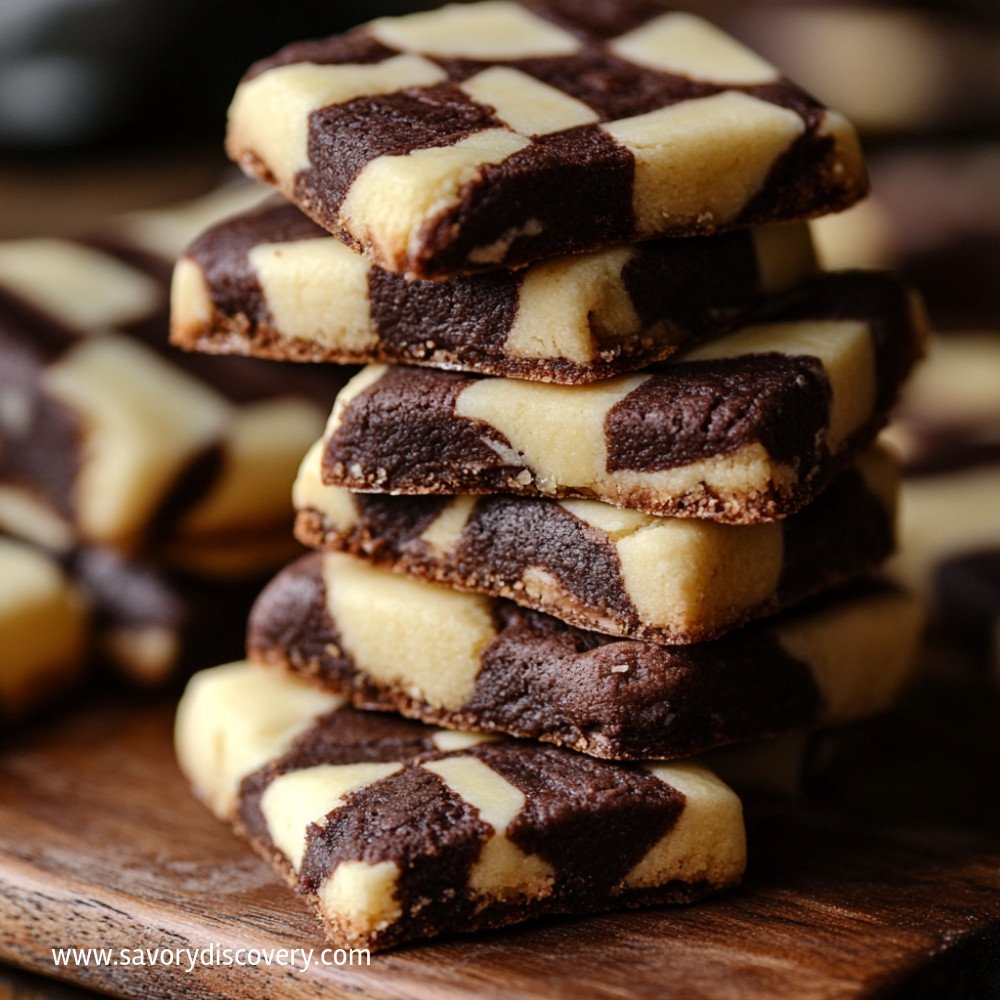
column 465, row 661
column 152, row 625
column 273, row 284
column 496, row 133
column 949, row 414
column 395, row 831
column 747, row 427
column 673, row 580
column 107, row 434
column 147, row 621
column 43, row 628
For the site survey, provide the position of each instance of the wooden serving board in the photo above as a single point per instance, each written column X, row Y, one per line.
column 102, row 846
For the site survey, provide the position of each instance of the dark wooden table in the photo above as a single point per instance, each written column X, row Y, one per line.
column 886, row 883
column 16, row 984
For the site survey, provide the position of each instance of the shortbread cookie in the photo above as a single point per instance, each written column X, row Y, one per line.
column 43, row 629
column 664, row 579
column 747, row 427
column 497, row 133
column 395, row 831
column 107, row 433
column 152, row 625
column 466, row 661
column 949, row 413
column 944, row 515
column 273, row 284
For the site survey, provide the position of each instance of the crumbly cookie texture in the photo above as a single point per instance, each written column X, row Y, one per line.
column 493, row 134
column 396, row 831
column 43, row 629
column 107, row 434
column 273, row 284
column 747, row 427
column 464, row 661
column 663, row 579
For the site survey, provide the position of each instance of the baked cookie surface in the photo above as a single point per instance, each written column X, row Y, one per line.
column 466, row 661
column 496, row 133
column 395, row 831
column 747, row 427
column 273, row 284
column 669, row 580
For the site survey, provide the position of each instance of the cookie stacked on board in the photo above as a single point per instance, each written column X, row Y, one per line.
column 603, row 499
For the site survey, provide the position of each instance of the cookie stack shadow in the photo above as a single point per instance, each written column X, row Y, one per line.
column 606, row 496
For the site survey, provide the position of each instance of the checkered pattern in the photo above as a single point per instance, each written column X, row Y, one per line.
column 273, row 284
column 748, row 427
column 459, row 660
column 495, row 133
column 109, row 436
column 646, row 574
column 395, row 831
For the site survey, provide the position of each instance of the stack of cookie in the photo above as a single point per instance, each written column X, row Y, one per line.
column 150, row 485
column 615, row 428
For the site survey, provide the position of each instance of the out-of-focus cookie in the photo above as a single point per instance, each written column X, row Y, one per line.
column 152, row 625
column 108, row 435
column 944, row 515
column 889, row 69
column 949, row 412
column 43, row 629
column 947, row 429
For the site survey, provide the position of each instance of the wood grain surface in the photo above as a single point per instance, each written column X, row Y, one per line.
column 102, row 846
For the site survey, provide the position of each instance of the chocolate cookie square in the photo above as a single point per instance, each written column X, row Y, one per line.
column 662, row 579
column 745, row 428
column 273, row 284
column 465, row 661
column 395, row 831
column 496, row 133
